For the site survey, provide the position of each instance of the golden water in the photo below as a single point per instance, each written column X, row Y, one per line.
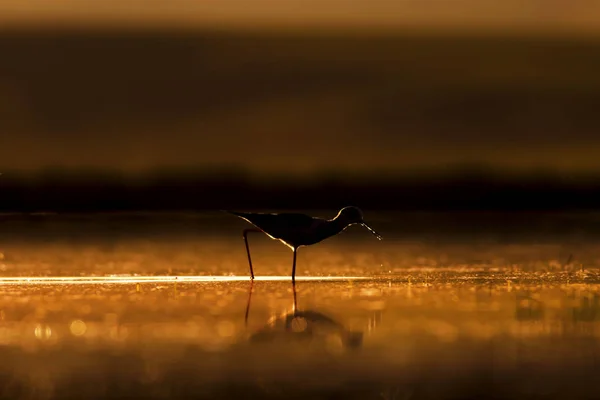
column 171, row 313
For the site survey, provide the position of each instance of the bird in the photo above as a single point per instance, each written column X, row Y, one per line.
column 298, row 230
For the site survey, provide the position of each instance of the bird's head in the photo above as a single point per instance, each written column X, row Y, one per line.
column 353, row 215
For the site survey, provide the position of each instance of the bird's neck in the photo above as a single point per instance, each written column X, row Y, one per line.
column 334, row 226
column 329, row 228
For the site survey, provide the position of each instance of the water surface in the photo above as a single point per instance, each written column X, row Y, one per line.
column 160, row 306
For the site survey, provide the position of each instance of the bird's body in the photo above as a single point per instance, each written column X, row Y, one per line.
column 297, row 230
column 293, row 230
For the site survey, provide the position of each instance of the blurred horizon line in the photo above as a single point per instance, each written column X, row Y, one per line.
column 449, row 190
column 531, row 17
column 252, row 174
column 293, row 31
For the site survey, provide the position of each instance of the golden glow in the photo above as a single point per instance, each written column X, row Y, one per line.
column 78, row 327
column 42, row 332
column 73, row 280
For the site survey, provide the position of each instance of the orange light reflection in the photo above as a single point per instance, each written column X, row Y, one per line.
column 71, row 280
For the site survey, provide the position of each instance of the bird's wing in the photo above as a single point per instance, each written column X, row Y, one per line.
column 249, row 217
column 297, row 221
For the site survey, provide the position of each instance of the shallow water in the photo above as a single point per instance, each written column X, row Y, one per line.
column 160, row 306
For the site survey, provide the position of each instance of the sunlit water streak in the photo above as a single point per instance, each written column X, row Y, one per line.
column 70, row 280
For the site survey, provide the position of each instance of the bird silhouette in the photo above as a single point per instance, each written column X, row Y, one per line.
column 297, row 230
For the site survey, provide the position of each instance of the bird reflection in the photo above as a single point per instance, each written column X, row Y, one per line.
column 303, row 326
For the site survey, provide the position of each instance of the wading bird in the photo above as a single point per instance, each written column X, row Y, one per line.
column 297, row 230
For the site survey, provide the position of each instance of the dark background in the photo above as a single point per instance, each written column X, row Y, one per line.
column 107, row 118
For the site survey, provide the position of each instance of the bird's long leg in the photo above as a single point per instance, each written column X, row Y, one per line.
column 295, row 302
column 248, row 249
column 248, row 303
column 294, row 266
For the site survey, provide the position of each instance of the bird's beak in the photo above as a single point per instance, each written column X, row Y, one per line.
column 377, row 235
